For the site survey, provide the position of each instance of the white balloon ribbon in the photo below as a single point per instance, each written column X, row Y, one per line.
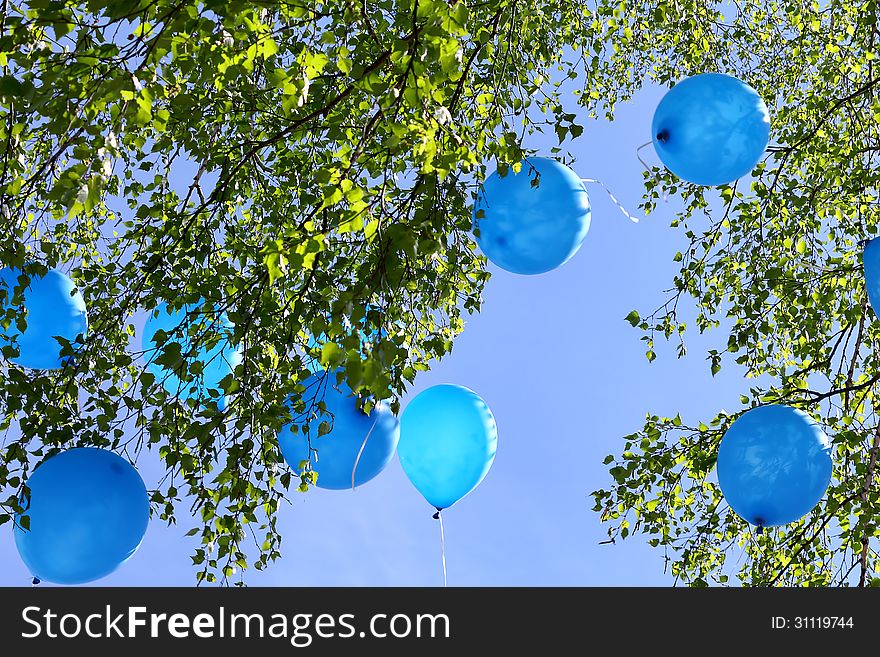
column 439, row 516
column 361, row 451
column 645, row 164
column 613, row 198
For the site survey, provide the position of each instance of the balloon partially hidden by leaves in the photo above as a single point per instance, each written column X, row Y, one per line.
column 56, row 318
column 87, row 514
column 711, row 129
column 532, row 221
column 774, row 465
column 448, row 439
column 189, row 351
column 348, row 449
column 322, row 351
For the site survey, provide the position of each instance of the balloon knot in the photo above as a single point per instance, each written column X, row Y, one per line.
column 35, row 581
column 436, row 516
column 663, row 136
column 759, row 522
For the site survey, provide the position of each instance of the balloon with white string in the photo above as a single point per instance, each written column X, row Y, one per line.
column 356, row 446
column 448, row 439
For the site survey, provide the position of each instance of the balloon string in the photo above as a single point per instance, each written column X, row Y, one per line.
column 645, row 164
column 626, row 214
column 361, row 451
column 639, row 153
column 439, row 516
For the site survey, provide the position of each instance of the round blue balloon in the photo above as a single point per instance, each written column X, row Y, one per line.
column 217, row 362
column 316, row 344
column 532, row 221
column 54, row 308
column 871, row 261
column 774, row 465
column 448, row 439
column 711, row 129
column 88, row 514
column 334, row 455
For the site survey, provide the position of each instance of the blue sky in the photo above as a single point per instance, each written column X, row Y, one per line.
column 565, row 377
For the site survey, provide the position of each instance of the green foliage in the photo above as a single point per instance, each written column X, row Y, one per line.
column 778, row 269
column 307, row 166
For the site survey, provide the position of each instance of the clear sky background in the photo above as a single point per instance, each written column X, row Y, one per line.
column 566, row 378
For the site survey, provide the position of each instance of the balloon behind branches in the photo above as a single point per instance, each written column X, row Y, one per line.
column 711, row 129
column 334, row 455
column 183, row 352
column 533, row 221
column 774, row 465
column 56, row 312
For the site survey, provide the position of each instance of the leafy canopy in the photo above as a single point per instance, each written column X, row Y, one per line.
column 773, row 262
column 308, row 167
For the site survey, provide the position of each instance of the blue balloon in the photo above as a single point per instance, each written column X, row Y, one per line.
column 334, row 455
column 711, row 129
column 217, row 362
column 871, row 261
column 532, row 221
column 316, row 344
column 774, row 465
column 313, row 363
column 54, row 308
column 88, row 514
column 448, row 439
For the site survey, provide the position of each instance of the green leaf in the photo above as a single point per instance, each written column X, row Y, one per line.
column 331, row 355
